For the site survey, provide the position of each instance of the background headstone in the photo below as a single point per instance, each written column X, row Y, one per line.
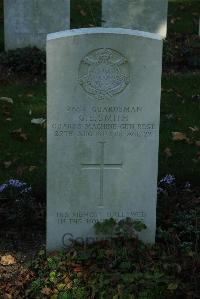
column 103, row 130
column 27, row 22
column 143, row 15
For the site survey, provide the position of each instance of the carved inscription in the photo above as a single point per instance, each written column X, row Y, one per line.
column 104, row 73
column 102, row 121
column 92, row 217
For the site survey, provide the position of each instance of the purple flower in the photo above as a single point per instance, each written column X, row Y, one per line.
column 168, row 179
column 26, row 190
column 3, row 187
column 16, row 183
column 160, row 190
column 12, row 183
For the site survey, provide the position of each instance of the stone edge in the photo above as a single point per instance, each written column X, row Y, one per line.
column 100, row 30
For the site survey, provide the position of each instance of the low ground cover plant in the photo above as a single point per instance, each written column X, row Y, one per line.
column 120, row 266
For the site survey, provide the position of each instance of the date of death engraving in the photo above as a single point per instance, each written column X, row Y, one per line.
column 103, row 121
column 103, row 130
column 91, row 217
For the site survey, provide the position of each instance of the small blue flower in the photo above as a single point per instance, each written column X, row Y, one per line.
column 160, row 190
column 27, row 190
column 168, row 179
column 16, row 183
column 3, row 187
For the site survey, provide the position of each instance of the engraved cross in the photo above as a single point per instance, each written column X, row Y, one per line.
column 101, row 166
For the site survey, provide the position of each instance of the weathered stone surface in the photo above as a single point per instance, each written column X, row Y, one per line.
column 27, row 22
column 144, row 15
column 103, row 130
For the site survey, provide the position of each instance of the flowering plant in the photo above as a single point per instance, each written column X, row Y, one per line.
column 14, row 188
column 17, row 202
column 168, row 183
column 168, row 180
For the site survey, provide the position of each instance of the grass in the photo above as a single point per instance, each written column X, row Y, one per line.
column 183, row 16
column 27, row 157
column 122, row 267
column 180, row 110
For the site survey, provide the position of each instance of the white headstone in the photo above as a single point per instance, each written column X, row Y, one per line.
column 144, row 15
column 103, row 130
column 27, row 22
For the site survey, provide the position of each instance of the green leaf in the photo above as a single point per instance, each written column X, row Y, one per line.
column 41, row 252
column 53, row 276
column 139, row 226
column 61, row 286
column 172, row 286
column 64, row 295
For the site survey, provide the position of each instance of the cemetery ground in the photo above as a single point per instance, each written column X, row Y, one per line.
column 122, row 267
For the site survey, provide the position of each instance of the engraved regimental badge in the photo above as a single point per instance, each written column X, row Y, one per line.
column 104, row 73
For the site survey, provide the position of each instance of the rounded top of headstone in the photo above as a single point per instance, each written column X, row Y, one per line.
column 100, row 30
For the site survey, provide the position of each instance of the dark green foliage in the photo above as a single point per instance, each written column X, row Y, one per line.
column 178, row 208
column 125, row 267
column 121, row 268
column 192, row 53
column 29, row 61
column 181, row 53
column 85, row 13
column 180, row 110
column 18, row 207
column 183, row 16
column 126, row 228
